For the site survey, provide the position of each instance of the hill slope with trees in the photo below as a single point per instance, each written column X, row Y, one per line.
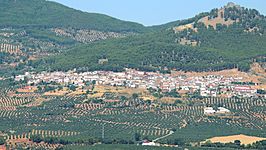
column 33, row 29
column 226, row 46
column 42, row 13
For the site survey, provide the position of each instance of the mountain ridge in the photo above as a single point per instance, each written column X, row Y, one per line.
column 223, row 47
column 158, row 48
column 20, row 13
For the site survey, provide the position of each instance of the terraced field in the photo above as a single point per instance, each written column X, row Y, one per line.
column 68, row 117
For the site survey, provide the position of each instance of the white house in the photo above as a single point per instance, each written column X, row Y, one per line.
column 147, row 143
column 209, row 110
column 223, row 110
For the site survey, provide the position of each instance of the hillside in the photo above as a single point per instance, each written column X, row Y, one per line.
column 235, row 41
column 33, row 29
column 42, row 13
column 197, row 84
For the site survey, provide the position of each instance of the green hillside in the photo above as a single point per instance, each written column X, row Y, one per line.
column 17, row 13
column 178, row 22
column 225, row 47
column 49, row 28
column 39, row 28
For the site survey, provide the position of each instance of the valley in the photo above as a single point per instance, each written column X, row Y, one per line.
column 117, row 108
column 77, row 80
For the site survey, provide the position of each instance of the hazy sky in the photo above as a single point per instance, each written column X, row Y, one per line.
column 154, row 12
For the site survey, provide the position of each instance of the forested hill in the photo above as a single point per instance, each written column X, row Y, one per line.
column 43, row 13
column 33, row 29
column 225, row 38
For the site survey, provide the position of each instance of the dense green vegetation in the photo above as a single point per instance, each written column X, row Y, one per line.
column 2, row 141
column 47, row 35
column 116, row 147
column 17, row 13
column 158, row 51
column 31, row 24
column 224, row 48
column 138, row 147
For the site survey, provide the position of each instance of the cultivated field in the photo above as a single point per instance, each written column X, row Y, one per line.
column 69, row 117
column 243, row 138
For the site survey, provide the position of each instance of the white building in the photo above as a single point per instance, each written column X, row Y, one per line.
column 222, row 110
column 147, row 143
column 209, row 110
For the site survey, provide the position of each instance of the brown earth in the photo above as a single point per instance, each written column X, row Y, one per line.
column 30, row 89
column 101, row 89
column 225, row 73
column 217, row 20
column 243, row 138
column 169, row 100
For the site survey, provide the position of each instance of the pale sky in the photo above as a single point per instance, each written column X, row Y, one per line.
column 155, row 12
